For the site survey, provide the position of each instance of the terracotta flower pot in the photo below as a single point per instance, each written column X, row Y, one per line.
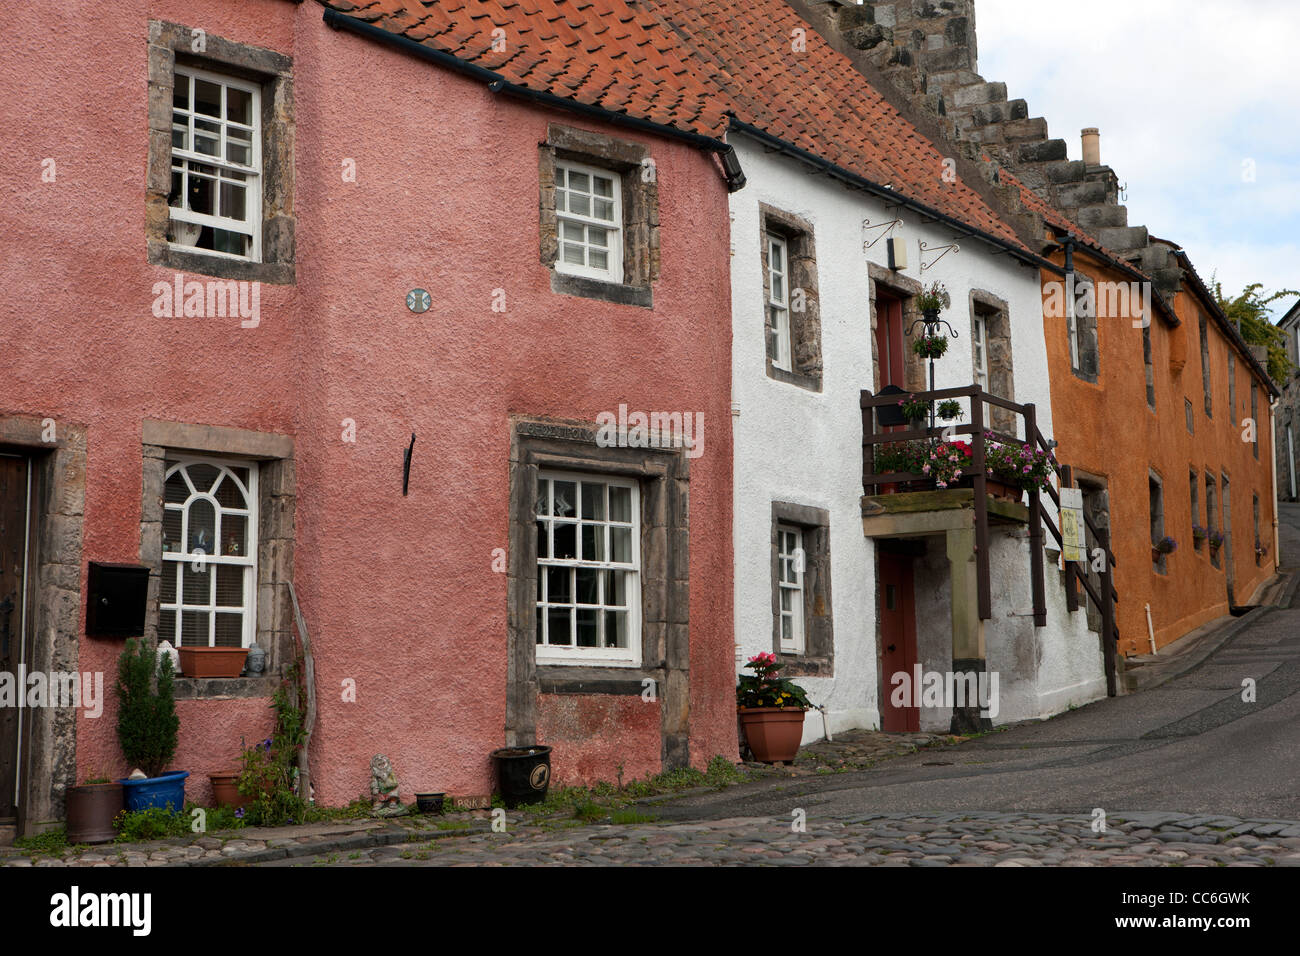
column 91, row 811
column 225, row 790
column 212, row 661
column 773, row 733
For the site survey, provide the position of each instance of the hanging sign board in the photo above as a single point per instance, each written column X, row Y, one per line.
column 1074, row 545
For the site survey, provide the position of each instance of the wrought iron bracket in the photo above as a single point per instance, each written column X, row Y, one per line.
column 868, row 228
column 950, row 247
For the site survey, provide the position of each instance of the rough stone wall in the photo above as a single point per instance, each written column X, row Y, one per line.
column 929, row 51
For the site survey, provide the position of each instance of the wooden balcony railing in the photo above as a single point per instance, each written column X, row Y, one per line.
column 979, row 433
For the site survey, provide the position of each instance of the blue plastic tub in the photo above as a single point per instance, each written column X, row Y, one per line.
column 167, row 790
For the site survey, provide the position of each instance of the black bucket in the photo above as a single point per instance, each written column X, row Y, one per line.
column 523, row 773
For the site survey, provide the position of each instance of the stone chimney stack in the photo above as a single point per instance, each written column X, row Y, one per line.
column 1092, row 146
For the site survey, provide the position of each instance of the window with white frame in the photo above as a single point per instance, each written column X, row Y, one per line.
column 588, row 210
column 588, row 569
column 790, row 570
column 980, row 354
column 215, row 202
column 209, row 562
column 778, row 300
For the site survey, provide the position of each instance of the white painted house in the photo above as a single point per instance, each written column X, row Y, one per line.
column 817, row 312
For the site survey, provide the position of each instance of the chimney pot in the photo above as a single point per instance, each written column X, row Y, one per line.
column 1092, row 146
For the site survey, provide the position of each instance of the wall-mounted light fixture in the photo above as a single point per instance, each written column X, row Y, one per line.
column 897, row 252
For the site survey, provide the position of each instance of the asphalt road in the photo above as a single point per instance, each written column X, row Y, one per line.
column 1191, row 745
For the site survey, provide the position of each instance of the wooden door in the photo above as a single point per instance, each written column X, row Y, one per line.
column 897, row 641
column 14, row 544
column 889, row 340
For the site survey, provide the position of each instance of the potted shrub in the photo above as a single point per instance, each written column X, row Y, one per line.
column 771, row 710
column 92, row 808
column 147, row 728
column 949, row 409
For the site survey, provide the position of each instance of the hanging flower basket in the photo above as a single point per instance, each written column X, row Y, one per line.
column 914, row 409
column 933, row 299
column 931, row 346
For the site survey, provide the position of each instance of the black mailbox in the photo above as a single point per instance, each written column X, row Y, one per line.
column 116, row 600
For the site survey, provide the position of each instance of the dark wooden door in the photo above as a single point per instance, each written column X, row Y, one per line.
column 889, row 340
column 897, row 642
column 14, row 501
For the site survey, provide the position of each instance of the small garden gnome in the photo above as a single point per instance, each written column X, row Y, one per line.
column 383, row 787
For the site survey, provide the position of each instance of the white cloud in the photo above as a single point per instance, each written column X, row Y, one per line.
column 1183, row 93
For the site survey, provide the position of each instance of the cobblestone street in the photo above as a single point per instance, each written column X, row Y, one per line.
column 939, row 839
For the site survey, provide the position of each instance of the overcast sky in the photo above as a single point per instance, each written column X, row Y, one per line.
column 1184, row 97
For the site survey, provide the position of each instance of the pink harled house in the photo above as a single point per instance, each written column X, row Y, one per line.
column 338, row 295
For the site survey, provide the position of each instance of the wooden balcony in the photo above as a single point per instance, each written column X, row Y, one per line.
column 909, row 505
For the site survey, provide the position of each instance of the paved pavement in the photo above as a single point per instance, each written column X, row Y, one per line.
column 1212, row 775
column 922, row 839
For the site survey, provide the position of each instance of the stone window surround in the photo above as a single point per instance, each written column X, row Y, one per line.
column 818, row 657
column 998, row 353
column 663, row 475
column 1160, row 564
column 1148, row 362
column 1194, row 491
column 49, row 743
column 907, row 289
column 640, row 199
column 277, row 493
column 1088, row 366
column 1212, row 509
column 168, row 43
column 801, row 274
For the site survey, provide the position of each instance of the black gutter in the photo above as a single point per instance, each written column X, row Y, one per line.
column 1072, row 242
column 498, row 84
column 1234, row 334
column 892, row 196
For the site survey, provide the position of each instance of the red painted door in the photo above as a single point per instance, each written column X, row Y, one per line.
column 897, row 642
column 889, row 340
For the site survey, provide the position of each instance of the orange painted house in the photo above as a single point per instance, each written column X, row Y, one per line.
column 1163, row 413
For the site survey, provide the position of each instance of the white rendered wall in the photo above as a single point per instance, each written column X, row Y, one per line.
column 804, row 447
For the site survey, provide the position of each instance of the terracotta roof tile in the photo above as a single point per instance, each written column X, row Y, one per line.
column 687, row 64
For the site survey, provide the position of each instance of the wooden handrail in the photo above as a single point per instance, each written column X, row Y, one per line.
column 979, row 433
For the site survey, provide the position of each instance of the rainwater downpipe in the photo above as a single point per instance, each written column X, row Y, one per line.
column 1151, row 631
column 1272, row 431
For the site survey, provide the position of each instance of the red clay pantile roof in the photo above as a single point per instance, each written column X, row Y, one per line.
column 687, row 64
